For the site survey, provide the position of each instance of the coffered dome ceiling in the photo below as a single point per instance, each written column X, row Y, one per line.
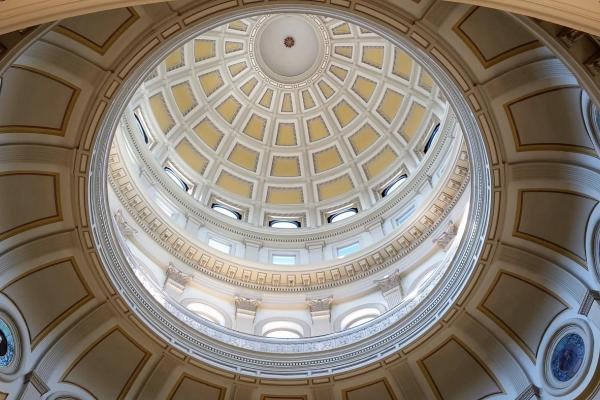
column 288, row 114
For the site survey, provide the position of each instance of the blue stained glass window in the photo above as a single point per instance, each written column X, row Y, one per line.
column 7, row 345
column 567, row 357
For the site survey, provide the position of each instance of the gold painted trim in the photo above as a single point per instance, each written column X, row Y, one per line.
column 44, row 129
column 278, row 397
column 385, row 383
column 133, row 375
column 531, row 353
column 58, row 216
column 529, row 237
column 100, row 48
column 487, row 63
column 478, row 360
column 173, row 392
column 520, row 147
column 66, row 313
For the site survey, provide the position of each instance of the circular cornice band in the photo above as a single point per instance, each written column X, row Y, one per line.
column 317, row 356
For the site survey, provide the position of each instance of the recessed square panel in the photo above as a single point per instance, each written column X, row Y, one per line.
column 339, row 72
column 344, row 113
column 235, row 184
column 390, row 105
column 317, row 129
column 184, row 98
column 286, row 134
column 232, row 47
column 249, row 86
column 363, row 138
column 364, row 88
column 335, row 187
column 237, row 68
column 325, row 89
column 161, row 113
column 209, row 133
column 255, row 127
column 412, row 123
column 175, row 60
column 286, row 103
column 344, row 51
column 402, row 64
column 326, row 159
column 204, row 49
column 244, row 157
column 373, row 56
column 191, row 156
column 229, row 109
column 380, row 162
column 211, row 82
column 285, row 195
column 285, row 166
column 266, row 99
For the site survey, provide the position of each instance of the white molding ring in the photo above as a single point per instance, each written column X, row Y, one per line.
column 308, row 357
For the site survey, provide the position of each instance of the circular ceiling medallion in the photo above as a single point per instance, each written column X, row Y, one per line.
column 299, row 57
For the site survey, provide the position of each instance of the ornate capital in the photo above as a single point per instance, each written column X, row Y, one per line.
column 390, row 282
column 446, row 237
column 319, row 305
column 126, row 230
column 178, row 276
column 246, row 303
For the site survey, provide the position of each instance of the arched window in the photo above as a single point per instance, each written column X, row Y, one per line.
column 359, row 317
column 431, row 138
column 392, row 187
column 282, row 330
column 342, row 215
column 142, row 125
column 175, row 178
column 279, row 224
column 226, row 211
column 207, row 312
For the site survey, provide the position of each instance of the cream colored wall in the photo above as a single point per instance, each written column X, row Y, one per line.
column 532, row 278
column 578, row 14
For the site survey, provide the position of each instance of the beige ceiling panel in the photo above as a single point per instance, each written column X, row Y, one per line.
column 50, row 101
column 209, row 133
column 335, row 187
column 414, row 120
column 34, row 201
column 204, row 49
column 402, row 64
column 364, row 87
column 341, row 29
column 175, row 60
column 43, row 307
column 108, row 368
column 363, row 138
column 244, row 157
column 373, row 56
column 285, row 166
column 211, row 82
column 455, row 372
column 390, row 105
column 191, row 156
column 307, row 100
column 229, row 109
column 539, row 121
column 326, row 159
column 237, row 68
column 255, row 127
column 339, row 72
column 233, row 46
column 285, row 195
column 184, row 97
column 238, row 25
column 249, row 86
column 326, row 90
column 344, row 113
column 267, row 99
column 522, row 308
column 287, row 105
column 380, row 162
column 379, row 389
column 344, row 51
column 494, row 36
column 98, row 31
column 161, row 113
column 425, row 80
column 286, row 134
column 552, row 217
column 235, row 184
column 317, row 129
column 189, row 387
